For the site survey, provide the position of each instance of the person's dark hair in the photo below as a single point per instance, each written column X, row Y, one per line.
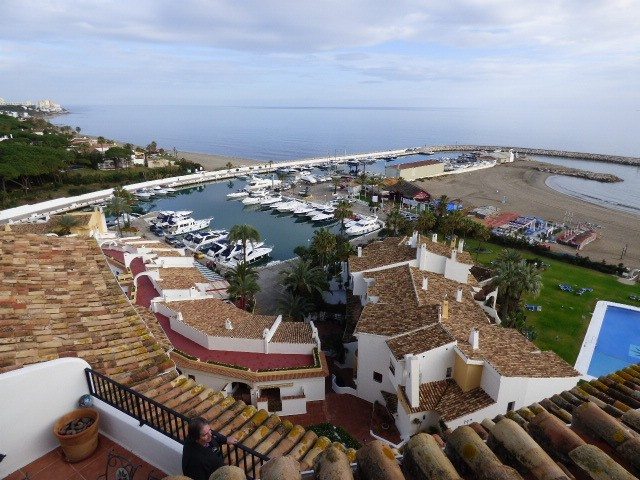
column 195, row 427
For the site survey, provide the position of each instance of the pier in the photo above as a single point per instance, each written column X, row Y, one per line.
column 61, row 205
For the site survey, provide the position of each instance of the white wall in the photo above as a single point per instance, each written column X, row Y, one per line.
column 373, row 355
column 434, row 363
column 148, row 444
column 434, row 263
column 457, row 271
column 31, row 400
column 292, row 348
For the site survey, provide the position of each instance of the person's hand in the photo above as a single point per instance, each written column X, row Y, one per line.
column 232, row 440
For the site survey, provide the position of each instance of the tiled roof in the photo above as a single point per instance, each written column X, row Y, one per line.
column 403, row 306
column 447, row 398
column 293, row 332
column 445, row 250
column 588, row 432
column 209, row 316
column 58, row 298
column 180, row 278
column 382, row 252
column 422, row 163
column 420, row 340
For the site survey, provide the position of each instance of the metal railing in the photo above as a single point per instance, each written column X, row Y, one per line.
column 166, row 420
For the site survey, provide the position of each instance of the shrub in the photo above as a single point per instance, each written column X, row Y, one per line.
column 335, row 434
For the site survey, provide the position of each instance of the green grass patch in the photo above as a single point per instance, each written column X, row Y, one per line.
column 565, row 316
column 335, row 434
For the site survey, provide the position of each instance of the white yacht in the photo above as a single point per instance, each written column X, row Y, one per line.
column 308, row 178
column 202, row 241
column 302, row 209
column 163, row 218
column 322, row 217
column 255, row 253
column 270, row 200
column 288, row 206
column 255, row 197
column 363, row 226
column 187, row 225
column 255, row 183
column 144, row 193
column 238, row 194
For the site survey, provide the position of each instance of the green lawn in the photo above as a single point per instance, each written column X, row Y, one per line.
column 564, row 318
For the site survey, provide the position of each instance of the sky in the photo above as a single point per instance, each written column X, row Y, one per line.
column 440, row 53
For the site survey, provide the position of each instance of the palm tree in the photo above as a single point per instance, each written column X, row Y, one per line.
column 120, row 204
column 229, row 165
column 101, row 142
column 426, row 221
column 323, row 245
column 394, row 220
column 66, row 223
column 294, row 307
column 343, row 211
column 441, row 207
column 336, row 183
column 244, row 233
column 304, row 279
column 243, row 284
column 514, row 278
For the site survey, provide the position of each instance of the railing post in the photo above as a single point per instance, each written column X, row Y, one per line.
column 138, row 409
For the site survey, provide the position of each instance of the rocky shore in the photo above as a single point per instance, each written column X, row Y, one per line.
column 571, row 172
column 598, row 157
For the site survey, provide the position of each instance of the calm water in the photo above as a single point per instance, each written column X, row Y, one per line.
column 290, row 133
column 620, row 196
column 618, row 342
column 283, row 232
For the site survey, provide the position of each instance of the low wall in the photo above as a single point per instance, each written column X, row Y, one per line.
column 342, row 390
column 31, row 400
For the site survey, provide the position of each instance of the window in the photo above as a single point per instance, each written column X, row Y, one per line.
column 192, row 377
column 511, row 406
column 377, row 377
column 392, row 368
column 449, row 371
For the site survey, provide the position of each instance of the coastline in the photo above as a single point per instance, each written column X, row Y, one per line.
column 212, row 162
column 528, row 193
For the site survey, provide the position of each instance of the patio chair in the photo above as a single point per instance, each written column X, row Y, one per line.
column 118, row 468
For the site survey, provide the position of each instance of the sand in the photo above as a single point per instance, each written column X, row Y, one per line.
column 215, row 162
column 528, row 194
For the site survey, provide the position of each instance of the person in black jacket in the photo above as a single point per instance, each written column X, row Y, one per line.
column 201, row 454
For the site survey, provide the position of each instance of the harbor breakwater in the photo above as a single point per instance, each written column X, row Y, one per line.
column 597, row 157
column 571, row 172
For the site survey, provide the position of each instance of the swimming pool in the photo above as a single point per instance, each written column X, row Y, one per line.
column 612, row 341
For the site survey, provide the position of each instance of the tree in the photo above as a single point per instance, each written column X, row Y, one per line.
column 323, row 245
column 119, row 155
column 304, row 279
column 101, row 142
column 65, row 224
column 441, row 207
column 295, row 307
column 78, row 129
column 244, row 233
column 120, row 204
column 336, row 183
column 152, row 147
column 426, row 222
column 229, row 165
column 243, row 284
column 514, row 278
column 395, row 220
column 343, row 211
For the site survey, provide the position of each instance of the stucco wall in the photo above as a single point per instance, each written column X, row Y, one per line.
column 468, row 376
column 373, row 355
column 31, row 400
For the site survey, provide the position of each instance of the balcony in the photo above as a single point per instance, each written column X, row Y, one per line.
column 145, row 432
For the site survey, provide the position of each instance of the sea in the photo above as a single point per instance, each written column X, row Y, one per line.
column 286, row 133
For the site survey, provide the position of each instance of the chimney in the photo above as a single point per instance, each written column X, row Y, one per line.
column 425, row 284
column 422, row 256
column 228, row 325
column 414, row 239
column 474, row 338
column 359, row 252
column 434, row 237
column 459, row 295
column 454, row 255
column 445, row 308
column 460, row 245
column 412, row 365
column 453, row 241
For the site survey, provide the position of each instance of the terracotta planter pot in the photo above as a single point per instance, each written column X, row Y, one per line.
column 81, row 445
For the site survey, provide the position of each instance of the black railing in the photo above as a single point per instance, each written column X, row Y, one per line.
column 166, row 420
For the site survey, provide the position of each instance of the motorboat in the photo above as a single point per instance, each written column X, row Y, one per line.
column 363, row 226
column 237, row 194
column 322, row 217
column 187, row 225
column 255, row 254
column 144, row 193
column 303, row 209
column 163, row 218
column 270, row 200
column 288, row 206
column 202, row 241
column 255, row 197
column 255, row 183
column 308, row 178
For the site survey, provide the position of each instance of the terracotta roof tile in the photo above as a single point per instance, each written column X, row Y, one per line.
column 210, row 315
column 180, row 277
column 382, row 252
column 293, row 332
column 421, row 340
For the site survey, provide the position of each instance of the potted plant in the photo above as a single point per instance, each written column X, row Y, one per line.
column 77, row 432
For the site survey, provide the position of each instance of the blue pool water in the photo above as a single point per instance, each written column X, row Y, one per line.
column 618, row 342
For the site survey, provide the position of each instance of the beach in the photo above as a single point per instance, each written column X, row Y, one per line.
column 527, row 193
column 212, row 162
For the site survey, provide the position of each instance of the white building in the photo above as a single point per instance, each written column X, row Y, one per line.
column 430, row 351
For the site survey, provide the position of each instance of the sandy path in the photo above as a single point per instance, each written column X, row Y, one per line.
column 527, row 193
column 214, row 162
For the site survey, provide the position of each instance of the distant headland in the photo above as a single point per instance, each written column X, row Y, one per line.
column 39, row 108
